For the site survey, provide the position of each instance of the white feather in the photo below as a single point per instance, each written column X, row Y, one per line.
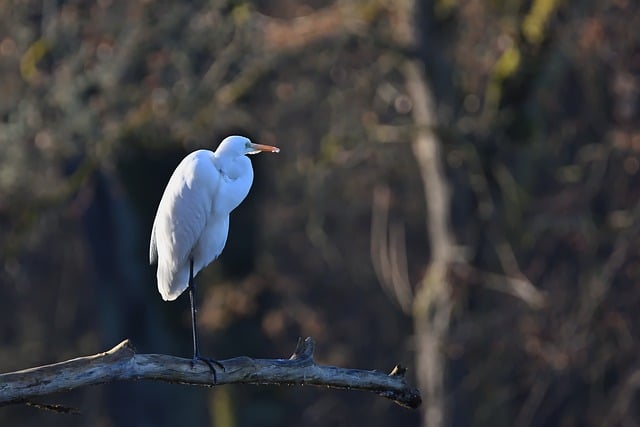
column 192, row 221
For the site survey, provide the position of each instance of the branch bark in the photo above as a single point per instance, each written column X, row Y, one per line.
column 123, row 363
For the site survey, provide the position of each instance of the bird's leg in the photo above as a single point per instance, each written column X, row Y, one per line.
column 196, row 352
column 194, row 325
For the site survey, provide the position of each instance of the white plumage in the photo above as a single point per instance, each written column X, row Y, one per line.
column 192, row 221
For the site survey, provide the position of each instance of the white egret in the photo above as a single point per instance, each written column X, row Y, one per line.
column 191, row 226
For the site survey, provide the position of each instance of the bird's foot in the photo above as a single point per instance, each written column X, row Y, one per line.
column 209, row 362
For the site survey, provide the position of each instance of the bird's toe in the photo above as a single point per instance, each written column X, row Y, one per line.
column 209, row 362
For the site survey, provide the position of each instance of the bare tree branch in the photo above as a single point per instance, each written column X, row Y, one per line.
column 122, row 363
column 388, row 252
column 432, row 304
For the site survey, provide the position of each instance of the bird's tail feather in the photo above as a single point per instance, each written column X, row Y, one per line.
column 172, row 280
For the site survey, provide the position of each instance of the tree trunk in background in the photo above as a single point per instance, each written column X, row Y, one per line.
column 432, row 301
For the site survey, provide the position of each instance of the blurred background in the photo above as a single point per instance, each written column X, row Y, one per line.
column 457, row 191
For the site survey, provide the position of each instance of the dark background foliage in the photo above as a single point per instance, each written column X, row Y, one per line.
column 537, row 106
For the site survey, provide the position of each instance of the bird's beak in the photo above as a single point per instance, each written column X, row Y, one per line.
column 260, row 147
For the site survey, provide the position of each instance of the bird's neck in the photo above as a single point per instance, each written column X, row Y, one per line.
column 237, row 177
column 230, row 167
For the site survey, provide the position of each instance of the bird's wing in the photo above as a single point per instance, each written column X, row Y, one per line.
column 153, row 246
column 182, row 214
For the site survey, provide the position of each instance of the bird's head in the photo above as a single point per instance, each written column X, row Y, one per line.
column 236, row 146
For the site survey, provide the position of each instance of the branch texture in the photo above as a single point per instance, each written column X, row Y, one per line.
column 122, row 363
